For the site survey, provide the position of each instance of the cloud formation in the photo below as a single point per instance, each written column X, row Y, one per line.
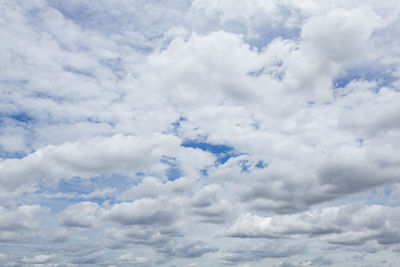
column 191, row 133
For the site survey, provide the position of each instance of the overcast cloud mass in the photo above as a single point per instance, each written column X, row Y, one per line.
column 199, row 133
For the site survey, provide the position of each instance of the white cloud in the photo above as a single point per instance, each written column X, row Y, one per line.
column 346, row 225
column 144, row 211
column 98, row 155
column 328, row 43
column 22, row 217
column 38, row 259
column 207, row 73
column 21, row 223
column 151, row 187
column 82, row 214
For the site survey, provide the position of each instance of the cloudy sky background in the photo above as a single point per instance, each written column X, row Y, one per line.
column 199, row 133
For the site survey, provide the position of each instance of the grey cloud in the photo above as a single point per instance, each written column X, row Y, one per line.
column 206, row 197
column 38, row 259
column 187, row 250
column 21, row 223
column 346, row 225
column 92, row 258
column 209, row 205
column 366, row 119
column 267, row 250
column 23, row 217
column 144, row 212
column 279, row 192
column 320, row 261
column 284, row 188
column 344, row 178
column 59, row 235
column 156, row 237
column 82, row 214
column 128, row 259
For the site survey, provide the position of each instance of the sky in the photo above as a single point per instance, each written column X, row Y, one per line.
column 199, row 133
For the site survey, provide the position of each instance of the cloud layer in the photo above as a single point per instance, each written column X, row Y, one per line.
column 196, row 133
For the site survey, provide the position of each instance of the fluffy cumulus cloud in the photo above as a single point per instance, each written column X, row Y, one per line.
column 198, row 132
column 347, row 225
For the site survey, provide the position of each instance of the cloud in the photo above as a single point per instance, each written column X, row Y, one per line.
column 210, row 77
column 92, row 157
column 267, row 250
column 329, row 43
column 345, row 225
column 209, row 206
column 22, row 217
column 218, row 132
column 189, row 250
column 151, row 187
column 143, row 211
column 38, row 259
column 82, row 214
column 19, row 223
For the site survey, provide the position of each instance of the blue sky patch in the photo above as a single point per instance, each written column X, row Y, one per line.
column 215, row 149
column 372, row 73
column 20, row 117
column 223, row 152
column 177, row 124
column 173, row 172
column 261, row 165
column 5, row 154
